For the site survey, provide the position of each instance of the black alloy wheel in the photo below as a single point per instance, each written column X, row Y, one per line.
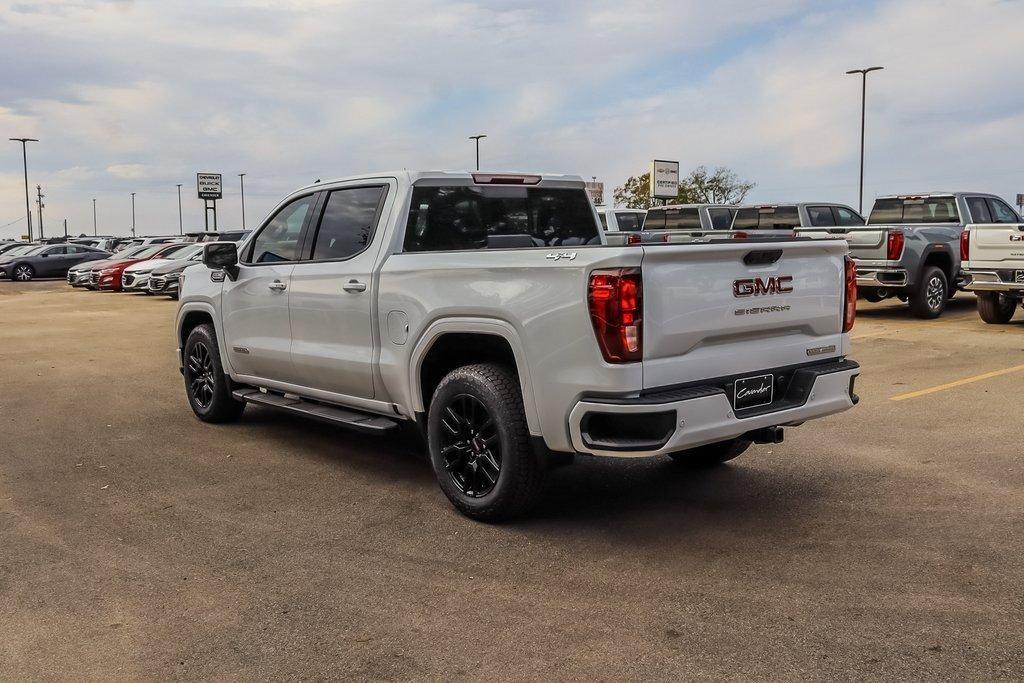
column 470, row 446
column 199, row 375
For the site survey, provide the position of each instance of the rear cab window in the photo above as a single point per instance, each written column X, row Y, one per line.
column 767, row 218
column 914, row 210
column 721, row 219
column 465, row 217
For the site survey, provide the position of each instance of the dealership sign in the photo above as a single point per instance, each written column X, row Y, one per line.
column 664, row 179
column 209, row 185
column 596, row 192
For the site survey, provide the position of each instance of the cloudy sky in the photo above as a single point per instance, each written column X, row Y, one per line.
column 138, row 96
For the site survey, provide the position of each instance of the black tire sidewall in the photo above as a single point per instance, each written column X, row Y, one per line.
column 919, row 298
column 223, row 406
column 510, row 427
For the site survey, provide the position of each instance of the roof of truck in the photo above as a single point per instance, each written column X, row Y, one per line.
column 414, row 176
column 936, row 194
column 696, row 206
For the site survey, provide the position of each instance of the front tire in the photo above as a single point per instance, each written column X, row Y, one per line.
column 206, row 386
column 480, row 445
column 23, row 272
column 928, row 300
column 712, row 454
column 996, row 309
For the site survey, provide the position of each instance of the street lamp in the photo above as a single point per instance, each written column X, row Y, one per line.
column 24, row 161
column 181, row 228
column 94, row 232
column 241, row 180
column 863, row 96
column 477, row 138
column 133, row 214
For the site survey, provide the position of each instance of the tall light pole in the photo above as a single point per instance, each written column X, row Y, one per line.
column 94, row 232
column 133, row 214
column 39, row 208
column 241, row 180
column 477, row 138
column 181, row 228
column 24, row 161
column 863, row 97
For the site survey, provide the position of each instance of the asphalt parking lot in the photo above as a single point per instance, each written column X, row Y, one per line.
column 138, row 542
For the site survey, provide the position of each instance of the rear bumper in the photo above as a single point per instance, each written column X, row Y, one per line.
column 881, row 276
column 992, row 281
column 695, row 415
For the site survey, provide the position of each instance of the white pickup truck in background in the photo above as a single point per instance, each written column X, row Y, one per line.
column 488, row 310
column 992, row 257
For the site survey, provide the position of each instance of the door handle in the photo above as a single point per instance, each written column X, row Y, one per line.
column 277, row 286
column 354, row 286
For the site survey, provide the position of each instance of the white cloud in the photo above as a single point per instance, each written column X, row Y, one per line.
column 153, row 92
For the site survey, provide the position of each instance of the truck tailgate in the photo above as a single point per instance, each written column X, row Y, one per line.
column 866, row 242
column 724, row 308
column 997, row 245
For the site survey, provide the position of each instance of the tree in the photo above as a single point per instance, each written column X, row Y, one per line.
column 721, row 186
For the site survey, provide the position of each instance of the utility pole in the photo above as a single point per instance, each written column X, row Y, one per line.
column 181, row 229
column 24, row 161
column 65, row 229
column 94, row 233
column 863, row 97
column 39, row 208
column 477, row 138
column 241, row 180
column 133, row 214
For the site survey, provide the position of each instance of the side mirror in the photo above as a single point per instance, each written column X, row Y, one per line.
column 223, row 256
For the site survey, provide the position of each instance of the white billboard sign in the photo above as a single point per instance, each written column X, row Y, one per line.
column 209, row 185
column 664, row 179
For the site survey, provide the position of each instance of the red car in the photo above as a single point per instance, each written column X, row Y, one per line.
column 108, row 276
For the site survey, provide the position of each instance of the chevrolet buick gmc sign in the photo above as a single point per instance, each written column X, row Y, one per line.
column 664, row 179
column 209, row 185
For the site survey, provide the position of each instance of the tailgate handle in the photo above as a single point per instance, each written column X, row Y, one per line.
column 763, row 257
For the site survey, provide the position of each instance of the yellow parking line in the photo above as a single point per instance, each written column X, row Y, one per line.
column 950, row 385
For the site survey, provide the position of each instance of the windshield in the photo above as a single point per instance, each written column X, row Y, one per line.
column 498, row 217
column 131, row 252
column 176, row 251
column 146, row 252
column 914, row 210
column 766, row 218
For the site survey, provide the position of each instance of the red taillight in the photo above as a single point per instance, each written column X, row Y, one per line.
column 616, row 309
column 739, row 235
column 849, row 294
column 894, row 248
column 633, row 238
column 965, row 245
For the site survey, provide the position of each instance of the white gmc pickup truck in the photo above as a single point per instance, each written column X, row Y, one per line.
column 992, row 257
column 487, row 310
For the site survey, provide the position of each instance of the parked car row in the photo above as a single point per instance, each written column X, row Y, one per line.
column 913, row 247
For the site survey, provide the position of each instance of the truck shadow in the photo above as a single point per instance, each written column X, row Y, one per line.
column 895, row 309
column 657, row 494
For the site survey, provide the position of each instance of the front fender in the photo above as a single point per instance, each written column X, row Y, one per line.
column 184, row 309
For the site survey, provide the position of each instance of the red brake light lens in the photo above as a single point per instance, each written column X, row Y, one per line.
column 965, row 245
column 849, row 294
column 615, row 298
column 894, row 247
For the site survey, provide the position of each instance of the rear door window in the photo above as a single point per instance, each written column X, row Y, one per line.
column 821, row 216
column 1001, row 213
column 846, row 216
column 348, row 221
column 979, row 210
column 604, row 221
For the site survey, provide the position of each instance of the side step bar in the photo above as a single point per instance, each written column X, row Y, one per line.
column 364, row 422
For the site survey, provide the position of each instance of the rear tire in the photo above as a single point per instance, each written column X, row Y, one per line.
column 480, row 445
column 928, row 300
column 996, row 309
column 711, row 454
column 207, row 387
